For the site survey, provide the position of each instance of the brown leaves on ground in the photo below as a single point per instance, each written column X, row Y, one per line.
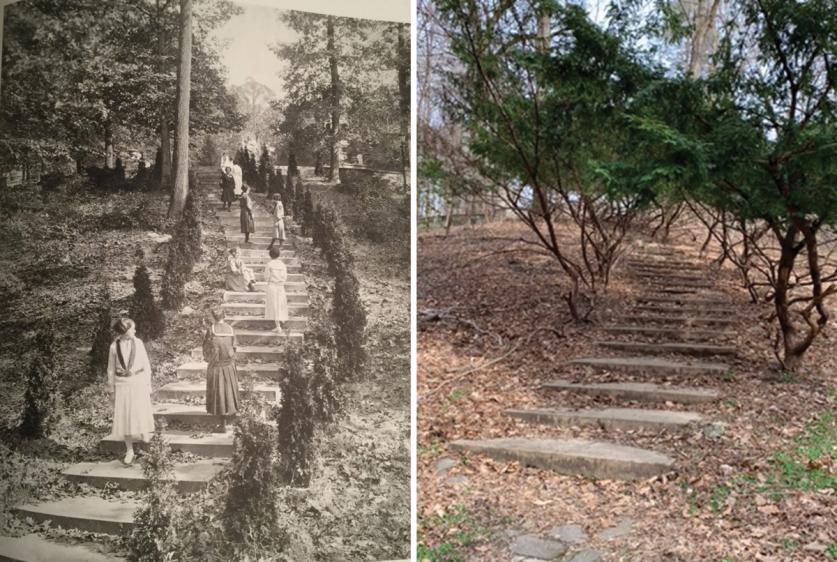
column 479, row 294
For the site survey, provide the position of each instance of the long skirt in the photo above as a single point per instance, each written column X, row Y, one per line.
column 247, row 225
column 279, row 229
column 227, row 195
column 133, row 416
column 222, row 389
column 276, row 302
column 239, row 282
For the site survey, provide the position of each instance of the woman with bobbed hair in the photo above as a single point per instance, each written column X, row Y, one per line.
column 221, row 375
column 276, row 302
column 129, row 384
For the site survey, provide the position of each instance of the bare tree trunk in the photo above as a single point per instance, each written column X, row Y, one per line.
column 404, row 99
column 110, row 159
column 334, row 172
column 165, row 134
column 184, row 77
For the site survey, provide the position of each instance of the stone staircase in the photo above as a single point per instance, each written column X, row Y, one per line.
column 677, row 330
column 179, row 405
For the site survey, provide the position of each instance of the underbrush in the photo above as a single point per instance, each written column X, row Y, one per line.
column 374, row 212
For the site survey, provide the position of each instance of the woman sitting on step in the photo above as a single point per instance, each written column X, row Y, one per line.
column 276, row 302
column 129, row 384
column 221, row 375
column 278, row 214
column 248, row 226
column 239, row 277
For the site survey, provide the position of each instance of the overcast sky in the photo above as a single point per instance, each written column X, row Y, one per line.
column 245, row 50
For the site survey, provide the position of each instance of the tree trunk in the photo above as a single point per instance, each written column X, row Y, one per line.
column 110, row 160
column 181, row 170
column 334, row 172
column 165, row 133
column 404, row 99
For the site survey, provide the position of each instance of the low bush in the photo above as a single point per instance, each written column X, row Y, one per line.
column 349, row 316
column 295, row 416
column 41, row 394
column 151, row 323
column 103, row 336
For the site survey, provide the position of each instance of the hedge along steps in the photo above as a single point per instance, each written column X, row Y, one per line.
column 639, row 391
column 188, row 477
column 34, row 548
column 668, row 333
column 625, row 419
column 684, row 348
column 593, row 459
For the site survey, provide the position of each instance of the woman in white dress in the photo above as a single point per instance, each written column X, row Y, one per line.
column 129, row 384
column 278, row 214
column 237, row 178
column 276, row 302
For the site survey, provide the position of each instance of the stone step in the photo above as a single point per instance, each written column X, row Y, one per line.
column 684, row 299
column 260, row 259
column 651, row 365
column 639, row 391
column 188, row 477
column 190, row 390
column 287, row 252
column 679, row 319
column 668, row 264
column 684, row 333
column 252, row 322
column 593, row 459
column 265, row 337
column 295, row 310
column 84, row 513
column 673, row 347
column 258, row 266
column 261, row 286
column 678, row 290
column 258, row 371
column 183, row 416
column 671, row 282
column 245, row 354
column 625, row 419
column 293, row 278
column 34, row 548
column 203, row 444
column 683, row 309
column 259, row 297
column 259, row 241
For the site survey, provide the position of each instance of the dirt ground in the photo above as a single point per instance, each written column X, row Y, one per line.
column 493, row 327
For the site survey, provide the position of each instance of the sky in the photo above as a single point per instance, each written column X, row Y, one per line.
column 245, row 46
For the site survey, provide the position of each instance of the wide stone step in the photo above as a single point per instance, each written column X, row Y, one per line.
column 625, row 419
column 190, row 390
column 259, row 240
column 34, row 548
column 260, row 296
column 652, row 273
column 288, row 253
column 260, row 259
column 203, row 444
column 678, row 290
column 684, row 309
column 651, row 365
column 261, row 286
column 258, row 266
column 188, row 477
column 186, row 416
column 663, row 348
column 295, row 310
column 684, row 300
column 248, row 353
column 668, row 264
column 680, row 320
column 265, row 337
column 258, row 371
column 672, row 283
column 639, row 391
column 593, row 459
column 84, row 513
column 296, row 325
column 684, row 333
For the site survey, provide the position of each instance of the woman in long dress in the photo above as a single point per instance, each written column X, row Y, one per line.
column 276, row 302
column 227, row 189
column 248, row 226
column 221, row 375
column 238, row 177
column 239, row 277
column 129, row 383
column 278, row 214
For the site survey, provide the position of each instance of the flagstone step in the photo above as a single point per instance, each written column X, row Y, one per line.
column 188, row 477
column 249, row 353
column 678, row 290
column 34, row 548
column 84, row 513
column 673, row 347
column 198, row 443
column 684, row 299
column 625, row 419
column 292, row 279
column 295, row 310
column 259, row 240
column 295, row 325
column 668, row 276
column 261, row 258
column 190, row 390
column 193, row 416
column 651, row 365
column 261, row 286
column 287, row 254
column 639, row 391
column 258, row 371
column 682, row 309
column 260, row 296
column 682, row 333
column 265, row 337
column 672, row 283
column 593, row 459
column 666, row 264
column 257, row 266
column 679, row 319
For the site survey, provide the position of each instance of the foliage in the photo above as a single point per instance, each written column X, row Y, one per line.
column 293, row 169
column 190, row 224
column 41, row 395
column 103, row 336
column 151, row 323
column 328, row 395
column 210, row 154
column 383, row 215
column 265, row 170
column 307, row 213
column 295, row 416
column 299, row 203
column 276, row 185
column 10, row 285
column 349, row 316
column 176, row 275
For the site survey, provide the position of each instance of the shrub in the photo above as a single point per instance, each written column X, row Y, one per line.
column 210, row 155
column 103, row 336
column 317, row 226
column 50, row 182
column 265, row 167
column 307, row 213
column 349, row 319
column 42, row 386
column 288, row 194
column 299, row 202
column 156, row 176
column 10, row 284
column 293, row 170
column 249, row 514
column 295, row 417
column 151, row 323
column 383, row 216
column 327, row 394
column 177, row 272
column 277, row 183
column 189, row 226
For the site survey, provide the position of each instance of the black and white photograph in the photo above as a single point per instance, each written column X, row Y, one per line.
column 205, row 223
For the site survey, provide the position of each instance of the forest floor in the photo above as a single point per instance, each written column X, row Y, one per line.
column 62, row 249
column 761, row 489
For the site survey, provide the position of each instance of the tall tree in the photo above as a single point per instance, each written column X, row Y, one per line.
column 184, row 82
column 404, row 97
column 334, row 99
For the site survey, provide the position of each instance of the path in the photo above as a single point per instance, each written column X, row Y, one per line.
column 180, row 405
column 677, row 330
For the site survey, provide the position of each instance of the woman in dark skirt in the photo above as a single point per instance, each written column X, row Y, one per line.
column 227, row 189
column 221, row 376
column 248, row 226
